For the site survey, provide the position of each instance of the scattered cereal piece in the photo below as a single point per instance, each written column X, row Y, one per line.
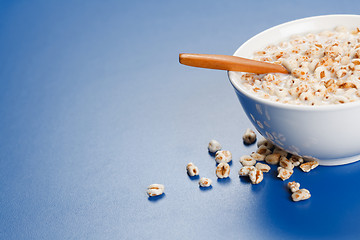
column 223, row 170
column 249, row 137
column 296, row 164
column 192, row 170
column 285, row 163
column 273, row 158
column 263, row 150
column 306, row 167
column 246, row 160
column 214, row 146
column 284, row 173
column 294, row 186
column 155, row 190
column 296, row 160
column 223, row 156
column 257, row 156
column 244, row 171
column 280, row 151
column 256, row 176
column 265, row 142
column 205, row 182
column 263, row 167
column 301, row 194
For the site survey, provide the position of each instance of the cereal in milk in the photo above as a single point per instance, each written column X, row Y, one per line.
column 324, row 67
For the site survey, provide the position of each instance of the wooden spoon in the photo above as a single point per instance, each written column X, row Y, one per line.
column 230, row 63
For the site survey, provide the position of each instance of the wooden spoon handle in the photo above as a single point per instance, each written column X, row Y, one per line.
column 230, row 63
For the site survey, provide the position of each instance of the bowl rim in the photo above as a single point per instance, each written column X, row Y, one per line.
column 332, row 107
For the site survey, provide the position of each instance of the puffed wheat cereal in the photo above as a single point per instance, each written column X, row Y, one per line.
column 294, row 186
column 306, row 167
column 155, row 190
column 324, row 68
column 263, row 150
column 257, row 156
column 285, row 163
column 296, row 160
column 263, row 167
column 223, row 156
column 244, row 171
column 301, row 194
column 284, row 173
column 249, row 137
column 223, row 170
column 273, row 158
column 214, row 146
column 280, row 151
column 205, row 182
column 256, row 176
column 247, row 160
column 265, row 142
column 192, row 170
column 266, row 150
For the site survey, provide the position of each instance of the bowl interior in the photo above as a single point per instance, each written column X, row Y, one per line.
column 283, row 32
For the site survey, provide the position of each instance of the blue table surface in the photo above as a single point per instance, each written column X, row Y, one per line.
column 94, row 107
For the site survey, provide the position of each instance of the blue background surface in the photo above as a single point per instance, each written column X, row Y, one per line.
column 94, row 107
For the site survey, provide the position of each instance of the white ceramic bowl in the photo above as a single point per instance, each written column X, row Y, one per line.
column 327, row 133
